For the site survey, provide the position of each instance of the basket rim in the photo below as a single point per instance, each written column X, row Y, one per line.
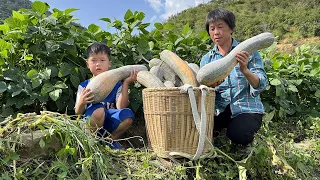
column 171, row 89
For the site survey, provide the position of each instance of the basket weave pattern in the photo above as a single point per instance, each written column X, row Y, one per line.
column 169, row 120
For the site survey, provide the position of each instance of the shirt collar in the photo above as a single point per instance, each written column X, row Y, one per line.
column 216, row 50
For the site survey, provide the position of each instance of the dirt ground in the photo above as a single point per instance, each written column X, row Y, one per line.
column 289, row 45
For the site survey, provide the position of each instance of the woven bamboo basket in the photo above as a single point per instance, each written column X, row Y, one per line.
column 169, row 120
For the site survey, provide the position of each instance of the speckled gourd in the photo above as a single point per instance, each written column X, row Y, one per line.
column 220, row 69
column 102, row 84
column 147, row 79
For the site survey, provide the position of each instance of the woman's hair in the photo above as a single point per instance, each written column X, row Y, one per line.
column 221, row 13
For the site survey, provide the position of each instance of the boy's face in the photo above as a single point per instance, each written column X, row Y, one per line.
column 220, row 32
column 98, row 63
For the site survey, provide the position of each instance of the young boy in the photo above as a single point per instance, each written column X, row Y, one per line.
column 111, row 114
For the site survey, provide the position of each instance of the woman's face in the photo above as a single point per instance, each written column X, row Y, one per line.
column 220, row 32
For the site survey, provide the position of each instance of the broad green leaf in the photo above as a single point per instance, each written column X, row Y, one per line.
column 313, row 72
column 106, row 20
column 143, row 46
column 54, row 71
column 36, row 82
column 60, row 85
column 40, row 7
column 275, row 82
column 269, row 116
column 135, row 24
column 178, row 40
column 3, row 86
column 28, row 57
column 75, row 81
column 46, row 88
column 93, row 28
column 128, row 15
column 151, row 45
column 32, row 74
column 18, row 15
column 117, row 24
column 51, row 46
column 83, row 72
column 63, row 175
column 158, row 25
column 140, row 15
column 50, row 20
column 186, row 29
column 34, row 21
column 16, row 92
column 70, row 10
column 45, row 74
column 42, row 143
column 54, row 95
column 278, row 91
column 168, row 26
column 4, row 54
column 11, row 74
column 13, row 22
column 3, row 45
column 317, row 94
column 56, row 14
column 65, row 70
column 68, row 41
column 4, row 28
column 293, row 88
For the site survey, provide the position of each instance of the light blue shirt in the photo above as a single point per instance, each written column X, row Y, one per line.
column 236, row 90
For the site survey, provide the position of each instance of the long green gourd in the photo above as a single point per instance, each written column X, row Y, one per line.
column 102, row 84
column 220, row 69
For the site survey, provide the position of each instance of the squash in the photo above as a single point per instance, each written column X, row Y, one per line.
column 217, row 70
column 180, row 67
column 195, row 68
column 168, row 73
column 149, row 80
column 157, row 71
column 102, row 84
column 155, row 62
column 168, row 84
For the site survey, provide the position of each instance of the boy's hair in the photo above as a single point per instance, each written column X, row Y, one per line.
column 97, row 48
column 221, row 13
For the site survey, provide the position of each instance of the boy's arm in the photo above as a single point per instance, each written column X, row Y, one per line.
column 83, row 98
column 123, row 100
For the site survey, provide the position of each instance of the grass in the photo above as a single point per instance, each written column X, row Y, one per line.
column 82, row 155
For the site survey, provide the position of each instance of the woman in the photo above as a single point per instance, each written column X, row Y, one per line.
column 238, row 106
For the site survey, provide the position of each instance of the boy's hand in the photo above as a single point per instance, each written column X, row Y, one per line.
column 132, row 77
column 86, row 96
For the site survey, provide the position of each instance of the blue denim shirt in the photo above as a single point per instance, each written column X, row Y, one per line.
column 236, row 90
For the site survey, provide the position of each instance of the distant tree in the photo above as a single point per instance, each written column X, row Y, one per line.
column 6, row 7
column 284, row 18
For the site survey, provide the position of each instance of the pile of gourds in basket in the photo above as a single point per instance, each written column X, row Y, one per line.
column 178, row 105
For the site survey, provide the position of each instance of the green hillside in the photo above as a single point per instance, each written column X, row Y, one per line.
column 6, row 7
column 285, row 18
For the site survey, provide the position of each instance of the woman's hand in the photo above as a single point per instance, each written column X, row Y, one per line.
column 243, row 60
column 217, row 83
